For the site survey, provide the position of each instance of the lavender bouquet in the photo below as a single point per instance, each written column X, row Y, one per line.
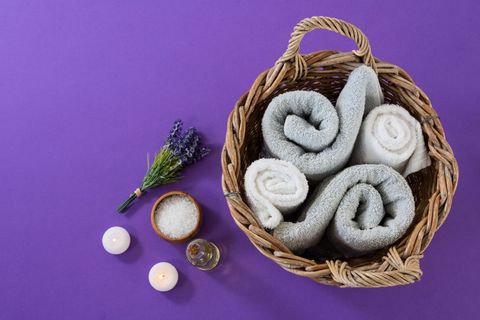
column 180, row 150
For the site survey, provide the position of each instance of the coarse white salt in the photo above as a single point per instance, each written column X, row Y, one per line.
column 176, row 216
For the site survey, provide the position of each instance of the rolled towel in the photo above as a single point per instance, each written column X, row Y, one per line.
column 304, row 128
column 390, row 135
column 367, row 206
column 274, row 188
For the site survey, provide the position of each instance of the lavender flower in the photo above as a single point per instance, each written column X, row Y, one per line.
column 175, row 133
column 186, row 146
column 180, row 150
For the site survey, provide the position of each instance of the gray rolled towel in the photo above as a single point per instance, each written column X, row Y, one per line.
column 365, row 207
column 304, row 128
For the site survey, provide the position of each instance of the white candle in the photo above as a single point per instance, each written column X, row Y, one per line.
column 163, row 276
column 116, row 240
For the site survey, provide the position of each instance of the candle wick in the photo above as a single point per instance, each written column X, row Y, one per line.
column 162, row 276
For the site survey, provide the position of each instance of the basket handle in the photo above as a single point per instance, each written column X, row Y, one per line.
column 292, row 54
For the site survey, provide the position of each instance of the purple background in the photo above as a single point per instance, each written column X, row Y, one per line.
column 88, row 87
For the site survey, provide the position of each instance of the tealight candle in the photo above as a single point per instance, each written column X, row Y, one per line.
column 116, row 240
column 163, row 276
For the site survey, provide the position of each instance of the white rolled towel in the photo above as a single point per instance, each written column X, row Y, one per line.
column 274, row 188
column 390, row 135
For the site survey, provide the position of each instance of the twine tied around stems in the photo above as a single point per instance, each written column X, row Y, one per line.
column 138, row 192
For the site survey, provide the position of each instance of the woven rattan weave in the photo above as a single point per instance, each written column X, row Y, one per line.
column 326, row 72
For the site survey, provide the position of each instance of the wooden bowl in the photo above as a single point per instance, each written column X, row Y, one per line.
column 154, row 209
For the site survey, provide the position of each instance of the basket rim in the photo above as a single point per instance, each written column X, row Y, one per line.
column 400, row 265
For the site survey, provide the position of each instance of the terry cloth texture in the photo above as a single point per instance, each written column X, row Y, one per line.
column 304, row 128
column 390, row 135
column 368, row 207
column 274, row 188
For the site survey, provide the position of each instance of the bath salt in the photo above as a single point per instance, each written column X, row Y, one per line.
column 176, row 216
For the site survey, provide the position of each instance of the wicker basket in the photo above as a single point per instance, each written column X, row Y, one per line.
column 326, row 71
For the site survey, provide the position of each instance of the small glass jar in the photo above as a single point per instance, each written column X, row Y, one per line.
column 203, row 254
